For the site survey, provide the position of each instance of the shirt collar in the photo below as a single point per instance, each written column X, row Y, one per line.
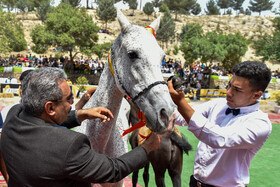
column 249, row 109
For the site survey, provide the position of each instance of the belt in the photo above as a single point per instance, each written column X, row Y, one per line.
column 200, row 184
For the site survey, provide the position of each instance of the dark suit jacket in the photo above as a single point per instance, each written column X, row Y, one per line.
column 39, row 154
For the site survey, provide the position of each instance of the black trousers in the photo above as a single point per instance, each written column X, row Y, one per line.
column 196, row 183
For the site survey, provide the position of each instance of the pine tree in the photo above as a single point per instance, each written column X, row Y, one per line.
column 176, row 5
column 237, row 5
column 260, row 5
column 106, row 11
column 166, row 28
column 148, row 9
column 224, row 4
column 196, row 9
column 132, row 5
column 73, row 3
column 43, row 9
column 212, row 8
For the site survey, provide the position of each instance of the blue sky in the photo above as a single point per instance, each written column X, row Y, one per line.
column 201, row 2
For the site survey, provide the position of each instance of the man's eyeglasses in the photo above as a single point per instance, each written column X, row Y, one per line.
column 69, row 99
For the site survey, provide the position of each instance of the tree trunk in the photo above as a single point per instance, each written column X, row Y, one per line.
column 71, row 56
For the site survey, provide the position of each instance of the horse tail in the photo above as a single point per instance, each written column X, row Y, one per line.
column 181, row 142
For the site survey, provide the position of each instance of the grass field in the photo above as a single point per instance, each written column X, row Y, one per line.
column 264, row 170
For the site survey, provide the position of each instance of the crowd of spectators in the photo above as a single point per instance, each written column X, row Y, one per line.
column 78, row 65
column 191, row 74
column 197, row 74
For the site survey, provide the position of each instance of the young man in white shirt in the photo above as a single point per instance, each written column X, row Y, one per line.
column 231, row 130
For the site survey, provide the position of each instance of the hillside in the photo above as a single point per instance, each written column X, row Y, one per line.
column 246, row 25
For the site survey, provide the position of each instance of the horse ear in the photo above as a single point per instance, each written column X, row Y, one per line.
column 155, row 24
column 124, row 23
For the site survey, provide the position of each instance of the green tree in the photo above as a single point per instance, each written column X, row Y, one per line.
column 106, row 11
column 260, row 5
column 148, row 9
column 101, row 49
column 163, row 7
column 191, row 30
column 212, row 47
column 212, row 8
column 37, row 3
column 43, row 9
column 132, row 5
column 176, row 5
column 196, row 9
column 236, row 47
column 73, row 3
column 224, row 4
column 11, row 33
column 191, row 49
column 237, row 5
column 268, row 46
column 157, row 4
column 22, row 5
column 70, row 28
column 166, row 28
column 248, row 12
column 191, row 42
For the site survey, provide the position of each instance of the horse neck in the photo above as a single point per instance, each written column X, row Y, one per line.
column 107, row 94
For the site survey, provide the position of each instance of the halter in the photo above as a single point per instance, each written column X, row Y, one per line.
column 152, row 31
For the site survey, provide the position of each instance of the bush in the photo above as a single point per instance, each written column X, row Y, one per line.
column 82, row 80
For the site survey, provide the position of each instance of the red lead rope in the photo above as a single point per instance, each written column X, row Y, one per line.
column 137, row 126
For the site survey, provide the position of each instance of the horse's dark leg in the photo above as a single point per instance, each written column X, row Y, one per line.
column 175, row 166
column 146, row 175
column 134, row 143
column 159, row 177
column 160, row 160
column 135, row 178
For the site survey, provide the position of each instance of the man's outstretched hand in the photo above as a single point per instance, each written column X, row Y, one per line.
column 92, row 113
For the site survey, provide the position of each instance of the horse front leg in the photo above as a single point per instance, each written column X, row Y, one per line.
column 135, row 178
column 176, row 165
column 146, row 175
column 159, row 177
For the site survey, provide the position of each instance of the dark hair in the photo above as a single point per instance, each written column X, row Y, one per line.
column 24, row 74
column 40, row 86
column 256, row 72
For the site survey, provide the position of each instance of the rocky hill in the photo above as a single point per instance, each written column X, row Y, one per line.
column 248, row 26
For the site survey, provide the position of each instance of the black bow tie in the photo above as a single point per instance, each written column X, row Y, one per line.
column 234, row 112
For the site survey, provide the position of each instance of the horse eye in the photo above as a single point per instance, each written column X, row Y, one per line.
column 132, row 55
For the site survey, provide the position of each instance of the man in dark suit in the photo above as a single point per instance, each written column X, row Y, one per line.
column 39, row 151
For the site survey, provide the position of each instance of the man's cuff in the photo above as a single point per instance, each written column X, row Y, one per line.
column 76, row 117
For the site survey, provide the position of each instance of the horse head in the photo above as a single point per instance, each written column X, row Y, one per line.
column 135, row 62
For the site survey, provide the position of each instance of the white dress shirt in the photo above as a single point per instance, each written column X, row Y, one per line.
column 227, row 143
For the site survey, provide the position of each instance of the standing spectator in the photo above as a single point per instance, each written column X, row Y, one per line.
column 198, row 88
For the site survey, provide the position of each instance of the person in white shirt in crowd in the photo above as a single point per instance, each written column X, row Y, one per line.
column 230, row 130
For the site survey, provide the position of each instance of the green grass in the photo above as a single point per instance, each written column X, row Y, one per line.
column 264, row 170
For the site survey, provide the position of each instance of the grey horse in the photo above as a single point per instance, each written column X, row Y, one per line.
column 133, row 69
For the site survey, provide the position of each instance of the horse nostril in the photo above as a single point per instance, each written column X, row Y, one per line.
column 164, row 117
